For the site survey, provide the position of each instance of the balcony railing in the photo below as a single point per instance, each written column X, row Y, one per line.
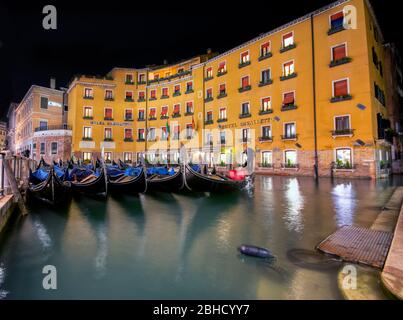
column 288, row 76
column 245, row 115
column 141, row 99
column 265, row 83
column 208, row 99
column 88, row 97
column 141, row 119
column 140, row 140
column 265, row 56
column 289, row 137
column 222, row 95
column 109, row 99
column 207, row 122
column 266, row 139
column 222, row 120
column 335, row 30
column 176, row 115
column 127, row 99
column 243, row 64
column 54, row 127
column 343, row 132
column 221, row 73
column 151, row 118
column 176, row 94
column 245, row 88
column 189, row 113
column 341, row 98
column 264, row 112
column 128, row 139
column 339, row 62
column 288, row 107
column 164, row 116
column 141, row 82
column 108, row 118
column 108, row 139
column 129, row 119
column 88, row 117
column 289, row 47
column 189, row 91
column 86, row 139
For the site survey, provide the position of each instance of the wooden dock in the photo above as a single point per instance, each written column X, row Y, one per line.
column 358, row 245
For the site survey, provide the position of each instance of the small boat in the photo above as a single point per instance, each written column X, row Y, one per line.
column 197, row 181
column 48, row 186
column 254, row 251
column 90, row 182
column 132, row 180
column 164, row 179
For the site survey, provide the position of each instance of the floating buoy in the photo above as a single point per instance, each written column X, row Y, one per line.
column 254, row 251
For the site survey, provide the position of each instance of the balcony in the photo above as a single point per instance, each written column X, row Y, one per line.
column 141, row 119
column 341, row 98
column 222, row 95
column 207, row 122
column 152, row 118
column 164, row 96
column 128, row 139
column 265, row 83
column 290, row 76
column 129, row 82
column 129, row 119
column 176, row 94
column 141, row 82
column 108, row 118
column 208, row 99
column 266, row 139
column 108, row 139
column 289, row 137
column 288, row 107
column 265, row 56
column 245, row 115
column 339, row 62
column 88, row 117
column 109, row 99
column 288, row 48
column 142, row 99
column 208, row 78
column 86, row 139
column 176, row 115
column 127, row 99
column 245, row 88
column 55, row 127
column 141, row 140
column 189, row 91
column 264, row 112
column 189, row 113
column 152, row 98
column 334, row 30
column 343, row 133
column 164, row 116
column 221, row 73
column 221, row 120
column 243, row 64
column 88, row 97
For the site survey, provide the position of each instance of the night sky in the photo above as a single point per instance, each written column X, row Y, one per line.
column 92, row 38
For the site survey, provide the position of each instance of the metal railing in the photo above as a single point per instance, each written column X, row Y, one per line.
column 55, row 127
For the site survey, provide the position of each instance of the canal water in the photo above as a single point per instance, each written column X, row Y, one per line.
column 172, row 246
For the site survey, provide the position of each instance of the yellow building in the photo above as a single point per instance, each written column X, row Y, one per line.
column 309, row 94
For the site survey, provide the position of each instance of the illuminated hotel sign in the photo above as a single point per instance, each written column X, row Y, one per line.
column 245, row 123
column 54, row 104
column 110, row 123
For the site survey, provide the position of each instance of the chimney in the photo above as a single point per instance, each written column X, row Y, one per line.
column 53, row 83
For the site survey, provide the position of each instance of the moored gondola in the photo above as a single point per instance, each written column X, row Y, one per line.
column 131, row 180
column 94, row 183
column 199, row 182
column 164, row 180
column 47, row 186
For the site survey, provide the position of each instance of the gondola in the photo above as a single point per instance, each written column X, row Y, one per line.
column 131, row 180
column 199, row 182
column 94, row 184
column 52, row 190
column 169, row 181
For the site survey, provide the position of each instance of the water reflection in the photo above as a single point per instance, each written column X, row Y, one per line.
column 3, row 293
column 293, row 206
column 344, row 199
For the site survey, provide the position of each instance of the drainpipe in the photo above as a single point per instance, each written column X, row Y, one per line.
column 316, row 165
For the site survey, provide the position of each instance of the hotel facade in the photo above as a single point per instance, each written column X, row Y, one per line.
column 308, row 98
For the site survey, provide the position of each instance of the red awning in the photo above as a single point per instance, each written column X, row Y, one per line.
column 340, row 88
column 288, row 98
column 339, row 52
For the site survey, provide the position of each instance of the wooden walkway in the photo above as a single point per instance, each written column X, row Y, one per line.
column 358, row 245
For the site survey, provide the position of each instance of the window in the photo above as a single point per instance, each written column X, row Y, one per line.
column 288, row 40
column 129, row 79
column 222, row 68
column 164, row 111
column 108, row 114
column 222, row 89
column 223, row 113
column 164, row 133
column 245, row 57
column 245, row 82
column 209, row 93
column 87, row 132
column 267, row 158
column 265, row 76
column 108, row 134
column 153, row 94
column 379, row 94
column 266, row 131
column 44, row 102
column 208, row 138
column 164, row 92
column 288, row 99
column 290, row 158
column 342, row 123
column 140, row 134
column 189, row 107
column 42, row 151
column 245, row 108
column 128, row 134
column 87, row 156
column 88, row 93
column 141, row 96
column 265, row 49
column 375, row 59
column 245, row 135
column 288, row 68
column 152, row 113
column 340, row 88
column 189, row 130
column 88, row 112
column 339, row 52
column 209, row 116
column 108, row 156
column 209, row 73
column 177, row 89
column 336, row 20
column 177, row 109
column 53, row 147
column 127, row 157
column 266, row 104
column 129, row 96
column 289, row 131
column 141, row 114
column 222, row 137
column 176, row 132
column 189, row 86
column 343, row 158
column 128, row 114
column 43, row 124
column 108, row 95
column 142, row 78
